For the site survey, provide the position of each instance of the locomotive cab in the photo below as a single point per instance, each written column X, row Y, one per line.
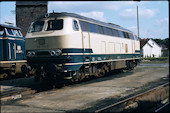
column 12, row 50
column 48, row 41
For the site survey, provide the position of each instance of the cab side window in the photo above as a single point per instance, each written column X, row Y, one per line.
column 135, row 37
column 1, row 31
column 75, row 25
column 131, row 36
column 84, row 26
column 121, row 34
column 56, row 24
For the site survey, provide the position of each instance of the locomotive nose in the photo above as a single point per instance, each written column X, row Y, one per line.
column 52, row 68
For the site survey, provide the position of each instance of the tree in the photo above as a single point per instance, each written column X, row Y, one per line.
column 166, row 42
column 162, row 42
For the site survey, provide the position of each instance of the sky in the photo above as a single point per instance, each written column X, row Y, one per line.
column 153, row 15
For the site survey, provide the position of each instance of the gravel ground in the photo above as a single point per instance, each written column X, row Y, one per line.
column 91, row 93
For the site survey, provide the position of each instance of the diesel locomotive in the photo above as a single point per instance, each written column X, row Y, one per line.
column 12, row 50
column 70, row 46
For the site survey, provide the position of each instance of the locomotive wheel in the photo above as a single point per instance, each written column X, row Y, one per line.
column 129, row 65
column 76, row 76
column 3, row 75
column 37, row 75
column 102, row 72
column 37, row 78
column 82, row 76
column 134, row 65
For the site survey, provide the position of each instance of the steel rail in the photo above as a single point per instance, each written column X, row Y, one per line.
column 15, row 94
column 160, row 108
column 131, row 98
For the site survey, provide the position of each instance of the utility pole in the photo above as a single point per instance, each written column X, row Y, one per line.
column 137, row 22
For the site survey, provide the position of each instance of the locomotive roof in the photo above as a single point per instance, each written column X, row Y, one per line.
column 31, row 3
column 8, row 26
column 63, row 14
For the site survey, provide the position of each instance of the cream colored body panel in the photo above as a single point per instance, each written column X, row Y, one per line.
column 65, row 38
column 102, row 44
column 54, row 42
column 69, row 38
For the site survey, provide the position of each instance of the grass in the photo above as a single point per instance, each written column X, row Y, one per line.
column 155, row 60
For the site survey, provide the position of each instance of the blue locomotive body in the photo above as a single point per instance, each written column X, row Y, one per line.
column 12, row 50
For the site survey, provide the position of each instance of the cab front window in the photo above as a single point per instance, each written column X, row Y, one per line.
column 15, row 33
column 136, row 38
column 56, row 24
column 75, row 25
column 19, row 33
column 10, row 31
column 1, row 31
column 36, row 26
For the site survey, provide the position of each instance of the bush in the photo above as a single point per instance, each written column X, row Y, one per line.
column 160, row 58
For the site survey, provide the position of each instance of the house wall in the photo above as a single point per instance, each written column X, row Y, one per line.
column 147, row 50
column 151, row 49
column 156, row 50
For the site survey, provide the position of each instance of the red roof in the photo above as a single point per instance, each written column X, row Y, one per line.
column 143, row 42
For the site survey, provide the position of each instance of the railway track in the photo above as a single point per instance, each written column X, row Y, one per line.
column 163, row 108
column 15, row 93
column 18, row 89
column 141, row 102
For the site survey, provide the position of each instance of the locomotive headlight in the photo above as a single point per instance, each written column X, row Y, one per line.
column 52, row 52
column 30, row 53
column 58, row 52
column 55, row 52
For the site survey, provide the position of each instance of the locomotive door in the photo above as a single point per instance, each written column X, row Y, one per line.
column 86, row 53
column 11, row 53
column 133, row 46
column 86, row 47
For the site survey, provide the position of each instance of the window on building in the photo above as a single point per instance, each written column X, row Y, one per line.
column 75, row 25
column 56, row 24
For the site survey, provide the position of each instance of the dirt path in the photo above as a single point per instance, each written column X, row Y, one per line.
column 87, row 94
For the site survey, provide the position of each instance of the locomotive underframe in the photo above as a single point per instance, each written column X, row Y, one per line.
column 54, row 72
column 7, row 68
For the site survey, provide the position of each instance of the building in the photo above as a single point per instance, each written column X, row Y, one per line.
column 28, row 11
column 150, row 48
